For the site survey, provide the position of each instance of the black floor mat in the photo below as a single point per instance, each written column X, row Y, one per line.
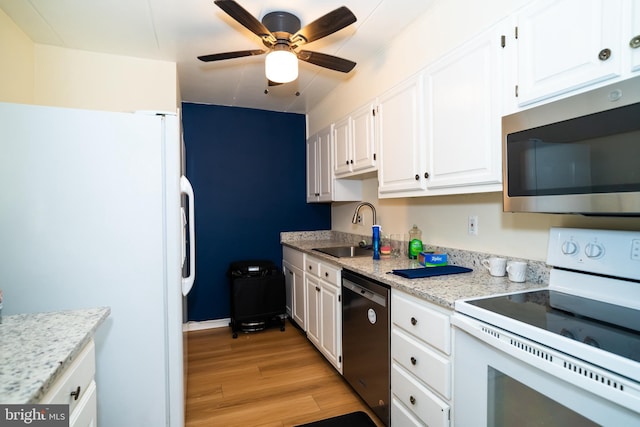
column 354, row 419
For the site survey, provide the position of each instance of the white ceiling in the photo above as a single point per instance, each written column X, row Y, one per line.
column 181, row 30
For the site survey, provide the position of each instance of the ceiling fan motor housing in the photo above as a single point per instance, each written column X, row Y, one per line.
column 281, row 22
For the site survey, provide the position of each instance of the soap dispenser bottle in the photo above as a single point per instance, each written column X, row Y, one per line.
column 376, row 241
column 415, row 242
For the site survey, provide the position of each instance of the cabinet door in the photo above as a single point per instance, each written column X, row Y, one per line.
column 633, row 34
column 560, row 44
column 463, row 115
column 298, row 304
column 288, row 286
column 342, row 159
column 330, row 325
column 312, row 169
column 401, row 139
column 325, row 170
column 363, row 139
column 313, row 309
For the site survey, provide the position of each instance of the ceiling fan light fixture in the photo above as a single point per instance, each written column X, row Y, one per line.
column 281, row 66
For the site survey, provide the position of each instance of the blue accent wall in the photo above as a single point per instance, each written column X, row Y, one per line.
column 247, row 168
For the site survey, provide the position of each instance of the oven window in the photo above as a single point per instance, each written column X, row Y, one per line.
column 591, row 154
column 511, row 403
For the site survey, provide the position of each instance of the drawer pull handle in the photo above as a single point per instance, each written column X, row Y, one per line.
column 413, row 361
column 414, row 321
column 76, row 394
column 412, row 400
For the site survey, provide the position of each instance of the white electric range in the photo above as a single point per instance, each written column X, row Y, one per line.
column 565, row 355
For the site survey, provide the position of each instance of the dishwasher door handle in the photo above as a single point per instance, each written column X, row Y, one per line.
column 366, row 293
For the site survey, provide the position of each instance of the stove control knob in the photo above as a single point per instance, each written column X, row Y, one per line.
column 594, row 250
column 569, row 247
column 567, row 333
column 590, row 341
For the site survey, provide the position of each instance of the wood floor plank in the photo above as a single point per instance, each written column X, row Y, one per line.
column 262, row 379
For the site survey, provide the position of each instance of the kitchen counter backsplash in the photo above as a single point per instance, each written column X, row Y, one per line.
column 442, row 290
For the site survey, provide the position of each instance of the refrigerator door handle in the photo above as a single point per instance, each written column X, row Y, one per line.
column 187, row 282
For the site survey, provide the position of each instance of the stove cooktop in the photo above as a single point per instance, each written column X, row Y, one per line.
column 612, row 328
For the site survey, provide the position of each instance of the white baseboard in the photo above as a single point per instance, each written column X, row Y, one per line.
column 206, row 324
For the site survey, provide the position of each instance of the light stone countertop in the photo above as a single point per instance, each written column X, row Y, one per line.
column 35, row 349
column 440, row 290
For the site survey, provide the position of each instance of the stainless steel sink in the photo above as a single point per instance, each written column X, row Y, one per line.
column 345, row 251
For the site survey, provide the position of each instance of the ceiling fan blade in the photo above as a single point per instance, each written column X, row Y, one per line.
column 230, row 55
column 325, row 25
column 326, row 61
column 240, row 14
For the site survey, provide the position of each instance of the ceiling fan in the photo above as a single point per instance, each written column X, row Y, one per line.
column 281, row 34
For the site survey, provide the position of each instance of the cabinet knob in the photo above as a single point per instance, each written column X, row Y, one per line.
column 635, row 42
column 412, row 400
column 317, row 289
column 604, row 54
column 326, row 274
column 346, row 162
column 414, row 321
column 310, row 267
column 426, row 175
column 417, row 177
column 351, row 161
column 76, row 394
column 413, row 361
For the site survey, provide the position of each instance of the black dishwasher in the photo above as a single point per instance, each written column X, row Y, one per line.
column 366, row 342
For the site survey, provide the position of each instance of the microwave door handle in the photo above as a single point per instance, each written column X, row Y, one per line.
column 187, row 282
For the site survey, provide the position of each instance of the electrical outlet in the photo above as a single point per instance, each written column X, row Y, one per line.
column 472, row 226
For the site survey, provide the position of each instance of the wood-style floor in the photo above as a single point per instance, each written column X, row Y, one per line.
column 262, row 379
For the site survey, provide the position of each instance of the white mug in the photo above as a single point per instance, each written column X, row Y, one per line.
column 517, row 271
column 496, row 266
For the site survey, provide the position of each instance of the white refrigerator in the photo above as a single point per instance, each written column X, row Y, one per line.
column 90, row 215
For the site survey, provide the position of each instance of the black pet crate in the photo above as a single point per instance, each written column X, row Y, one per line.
column 257, row 296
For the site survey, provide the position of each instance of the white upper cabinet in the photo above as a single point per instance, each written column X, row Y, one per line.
column 363, row 145
column 319, row 173
column 342, row 160
column 399, row 127
column 321, row 183
column 564, row 45
column 463, row 116
column 355, row 144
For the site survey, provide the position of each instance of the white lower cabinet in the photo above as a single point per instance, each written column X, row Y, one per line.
column 421, row 370
column 324, row 308
column 293, row 268
column 77, row 388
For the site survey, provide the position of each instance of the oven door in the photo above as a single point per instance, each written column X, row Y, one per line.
column 504, row 380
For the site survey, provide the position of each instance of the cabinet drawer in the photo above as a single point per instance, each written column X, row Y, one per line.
column 330, row 274
column 416, row 317
column 401, row 416
column 293, row 257
column 312, row 266
column 86, row 412
column 77, row 377
column 424, row 363
column 424, row 404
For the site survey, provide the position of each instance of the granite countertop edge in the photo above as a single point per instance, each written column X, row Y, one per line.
column 439, row 290
column 37, row 348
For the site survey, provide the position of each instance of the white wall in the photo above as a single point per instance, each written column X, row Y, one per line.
column 80, row 79
column 47, row 75
column 16, row 63
column 443, row 219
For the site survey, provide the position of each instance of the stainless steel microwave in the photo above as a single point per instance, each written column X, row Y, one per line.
column 578, row 155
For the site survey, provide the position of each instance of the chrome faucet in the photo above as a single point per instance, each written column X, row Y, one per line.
column 354, row 220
